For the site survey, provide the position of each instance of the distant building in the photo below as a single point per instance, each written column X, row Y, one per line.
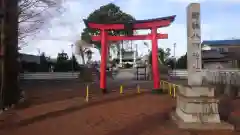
column 128, row 57
column 221, row 54
column 28, row 58
column 28, row 62
column 142, row 61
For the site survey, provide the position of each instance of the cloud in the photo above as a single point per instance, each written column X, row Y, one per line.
column 187, row 1
column 219, row 21
column 201, row 1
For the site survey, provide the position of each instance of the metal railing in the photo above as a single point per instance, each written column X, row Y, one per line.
column 49, row 75
column 212, row 76
column 226, row 81
column 225, row 76
column 180, row 74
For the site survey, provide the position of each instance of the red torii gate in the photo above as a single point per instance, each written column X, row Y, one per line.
column 151, row 24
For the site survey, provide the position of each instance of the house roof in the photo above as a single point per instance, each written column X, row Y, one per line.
column 221, row 42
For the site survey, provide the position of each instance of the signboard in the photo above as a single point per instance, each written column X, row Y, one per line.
column 194, row 44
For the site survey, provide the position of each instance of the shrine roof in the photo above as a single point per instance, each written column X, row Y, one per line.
column 170, row 18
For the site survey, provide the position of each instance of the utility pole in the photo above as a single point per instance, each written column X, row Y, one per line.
column 174, row 55
column 72, row 58
column 120, row 55
column 39, row 52
column 134, row 58
column 174, row 47
column 135, row 55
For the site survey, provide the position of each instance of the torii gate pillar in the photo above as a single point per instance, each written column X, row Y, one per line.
column 103, row 66
column 156, row 82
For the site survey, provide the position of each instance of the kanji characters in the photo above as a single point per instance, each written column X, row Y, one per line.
column 196, row 36
column 195, row 25
column 195, row 15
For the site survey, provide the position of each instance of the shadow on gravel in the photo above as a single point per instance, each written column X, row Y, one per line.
column 146, row 123
column 73, row 109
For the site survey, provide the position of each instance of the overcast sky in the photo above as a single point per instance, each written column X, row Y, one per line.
column 220, row 20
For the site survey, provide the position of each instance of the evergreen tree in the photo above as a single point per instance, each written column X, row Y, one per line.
column 62, row 64
column 44, row 65
column 182, row 62
column 74, row 64
column 109, row 13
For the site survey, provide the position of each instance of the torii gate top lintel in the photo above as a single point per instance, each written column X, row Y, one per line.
column 134, row 25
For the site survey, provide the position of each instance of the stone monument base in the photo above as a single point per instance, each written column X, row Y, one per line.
column 200, row 126
column 197, row 108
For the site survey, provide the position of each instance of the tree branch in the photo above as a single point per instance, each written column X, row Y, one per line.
column 33, row 14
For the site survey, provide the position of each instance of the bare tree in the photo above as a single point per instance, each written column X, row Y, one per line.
column 33, row 14
column 83, row 48
column 89, row 54
column 21, row 18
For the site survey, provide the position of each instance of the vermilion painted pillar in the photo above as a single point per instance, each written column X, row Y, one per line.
column 155, row 59
column 104, row 51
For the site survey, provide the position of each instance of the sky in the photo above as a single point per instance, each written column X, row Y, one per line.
column 219, row 20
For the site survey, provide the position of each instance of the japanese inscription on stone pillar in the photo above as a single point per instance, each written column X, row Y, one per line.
column 194, row 44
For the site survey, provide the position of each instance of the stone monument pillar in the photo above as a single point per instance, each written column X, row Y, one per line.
column 197, row 106
column 194, row 64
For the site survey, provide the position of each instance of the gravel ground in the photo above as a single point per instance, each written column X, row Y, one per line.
column 43, row 91
column 141, row 115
